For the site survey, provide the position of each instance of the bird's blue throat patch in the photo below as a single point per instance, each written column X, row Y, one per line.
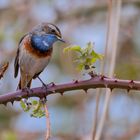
column 43, row 43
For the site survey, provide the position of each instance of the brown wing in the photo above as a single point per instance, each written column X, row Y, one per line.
column 16, row 63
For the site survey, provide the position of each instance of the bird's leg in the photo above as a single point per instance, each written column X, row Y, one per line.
column 27, row 89
column 42, row 82
column 44, row 85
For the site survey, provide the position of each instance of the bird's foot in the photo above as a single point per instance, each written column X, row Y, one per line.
column 50, row 84
column 28, row 90
column 46, row 86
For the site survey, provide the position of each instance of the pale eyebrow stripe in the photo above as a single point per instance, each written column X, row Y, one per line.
column 53, row 27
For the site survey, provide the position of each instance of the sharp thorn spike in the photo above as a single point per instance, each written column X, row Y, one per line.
column 131, row 81
column 128, row 90
column 61, row 93
column 111, row 89
column 102, row 77
column 12, row 102
column 76, row 81
column 86, row 90
column 53, row 84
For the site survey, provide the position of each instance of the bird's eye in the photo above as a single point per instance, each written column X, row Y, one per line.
column 43, row 30
column 53, row 31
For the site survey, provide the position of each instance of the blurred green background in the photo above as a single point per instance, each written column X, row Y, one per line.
column 71, row 115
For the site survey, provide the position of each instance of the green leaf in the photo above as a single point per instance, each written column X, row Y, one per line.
column 8, row 135
column 38, row 113
column 93, row 60
column 34, row 102
column 66, row 49
column 80, row 67
column 23, row 104
column 72, row 48
column 96, row 55
column 38, row 109
column 76, row 48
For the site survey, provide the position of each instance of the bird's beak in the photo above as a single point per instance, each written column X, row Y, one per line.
column 60, row 39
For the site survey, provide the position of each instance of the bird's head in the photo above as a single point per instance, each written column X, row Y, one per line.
column 45, row 35
column 46, row 28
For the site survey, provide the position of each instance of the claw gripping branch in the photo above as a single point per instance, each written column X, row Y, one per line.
column 98, row 81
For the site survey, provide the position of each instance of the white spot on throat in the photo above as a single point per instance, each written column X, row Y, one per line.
column 45, row 43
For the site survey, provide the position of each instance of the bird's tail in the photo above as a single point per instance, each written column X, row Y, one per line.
column 24, row 83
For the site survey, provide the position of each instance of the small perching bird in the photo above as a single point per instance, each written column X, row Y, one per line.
column 34, row 52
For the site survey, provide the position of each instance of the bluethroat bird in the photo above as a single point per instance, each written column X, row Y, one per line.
column 34, row 52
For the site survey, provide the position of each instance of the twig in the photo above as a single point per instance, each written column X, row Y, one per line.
column 48, row 131
column 102, row 69
column 98, row 81
column 95, row 122
column 112, row 44
column 3, row 69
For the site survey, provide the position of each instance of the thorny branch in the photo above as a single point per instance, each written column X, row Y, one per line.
column 97, row 81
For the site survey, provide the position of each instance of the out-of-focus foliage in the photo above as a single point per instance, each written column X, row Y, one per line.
column 8, row 135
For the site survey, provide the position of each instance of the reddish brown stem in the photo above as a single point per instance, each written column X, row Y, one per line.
column 98, row 81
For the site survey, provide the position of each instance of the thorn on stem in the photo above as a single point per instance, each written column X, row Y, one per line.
column 61, row 93
column 76, row 81
column 85, row 90
column 102, row 77
column 12, row 102
column 53, row 84
column 111, row 89
column 128, row 90
column 131, row 83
